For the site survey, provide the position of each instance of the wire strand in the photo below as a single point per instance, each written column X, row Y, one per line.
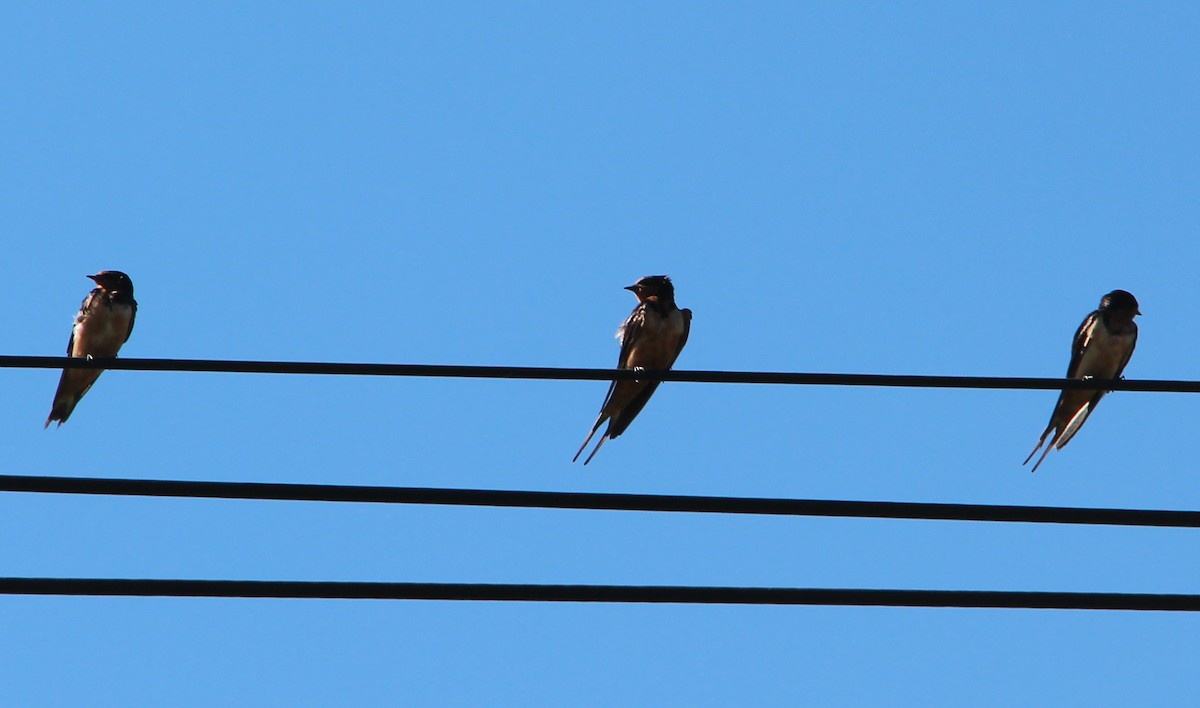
column 576, row 374
column 598, row 501
column 692, row 595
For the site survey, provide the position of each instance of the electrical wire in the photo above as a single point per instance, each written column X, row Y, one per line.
column 576, row 374
column 597, row 501
column 692, row 595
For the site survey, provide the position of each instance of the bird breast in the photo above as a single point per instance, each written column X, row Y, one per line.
column 657, row 343
column 1103, row 353
column 102, row 330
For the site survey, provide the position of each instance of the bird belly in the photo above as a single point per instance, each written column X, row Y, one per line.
column 1103, row 355
column 658, row 343
column 102, row 332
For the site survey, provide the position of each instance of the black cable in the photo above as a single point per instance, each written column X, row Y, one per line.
column 286, row 589
column 549, row 373
column 598, row 501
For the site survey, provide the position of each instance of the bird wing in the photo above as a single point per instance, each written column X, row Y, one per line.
column 132, row 317
column 1083, row 335
column 629, row 331
column 622, row 420
column 687, row 329
column 1073, row 425
column 84, row 307
column 631, row 328
column 1079, row 345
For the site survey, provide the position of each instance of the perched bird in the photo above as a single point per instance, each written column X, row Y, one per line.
column 1100, row 350
column 651, row 339
column 103, row 323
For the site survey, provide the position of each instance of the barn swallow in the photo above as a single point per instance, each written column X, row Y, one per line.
column 1100, row 350
column 103, row 323
column 651, row 339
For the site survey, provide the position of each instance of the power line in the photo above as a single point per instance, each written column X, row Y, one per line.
column 597, row 501
column 558, row 374
column 692, row 595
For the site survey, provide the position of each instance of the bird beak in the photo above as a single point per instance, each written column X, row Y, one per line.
column 632, row 288
column 1138, row 312
column 93, row 277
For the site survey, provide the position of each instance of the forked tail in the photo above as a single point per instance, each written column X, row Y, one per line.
column 1037, row 447
column 599, row 421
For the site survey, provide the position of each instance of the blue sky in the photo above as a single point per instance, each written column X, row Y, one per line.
column 859, row 187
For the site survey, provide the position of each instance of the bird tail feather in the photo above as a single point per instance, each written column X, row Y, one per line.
column 72, row 386
column 1073, row 426
column 599, row 421
column 595, row 449
column 1037, row 447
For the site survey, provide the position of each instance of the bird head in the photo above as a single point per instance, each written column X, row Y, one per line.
column 653, row 288
column 113, row 281
column 1120, row 303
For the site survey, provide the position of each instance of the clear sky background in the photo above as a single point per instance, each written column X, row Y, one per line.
column 938, row 188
